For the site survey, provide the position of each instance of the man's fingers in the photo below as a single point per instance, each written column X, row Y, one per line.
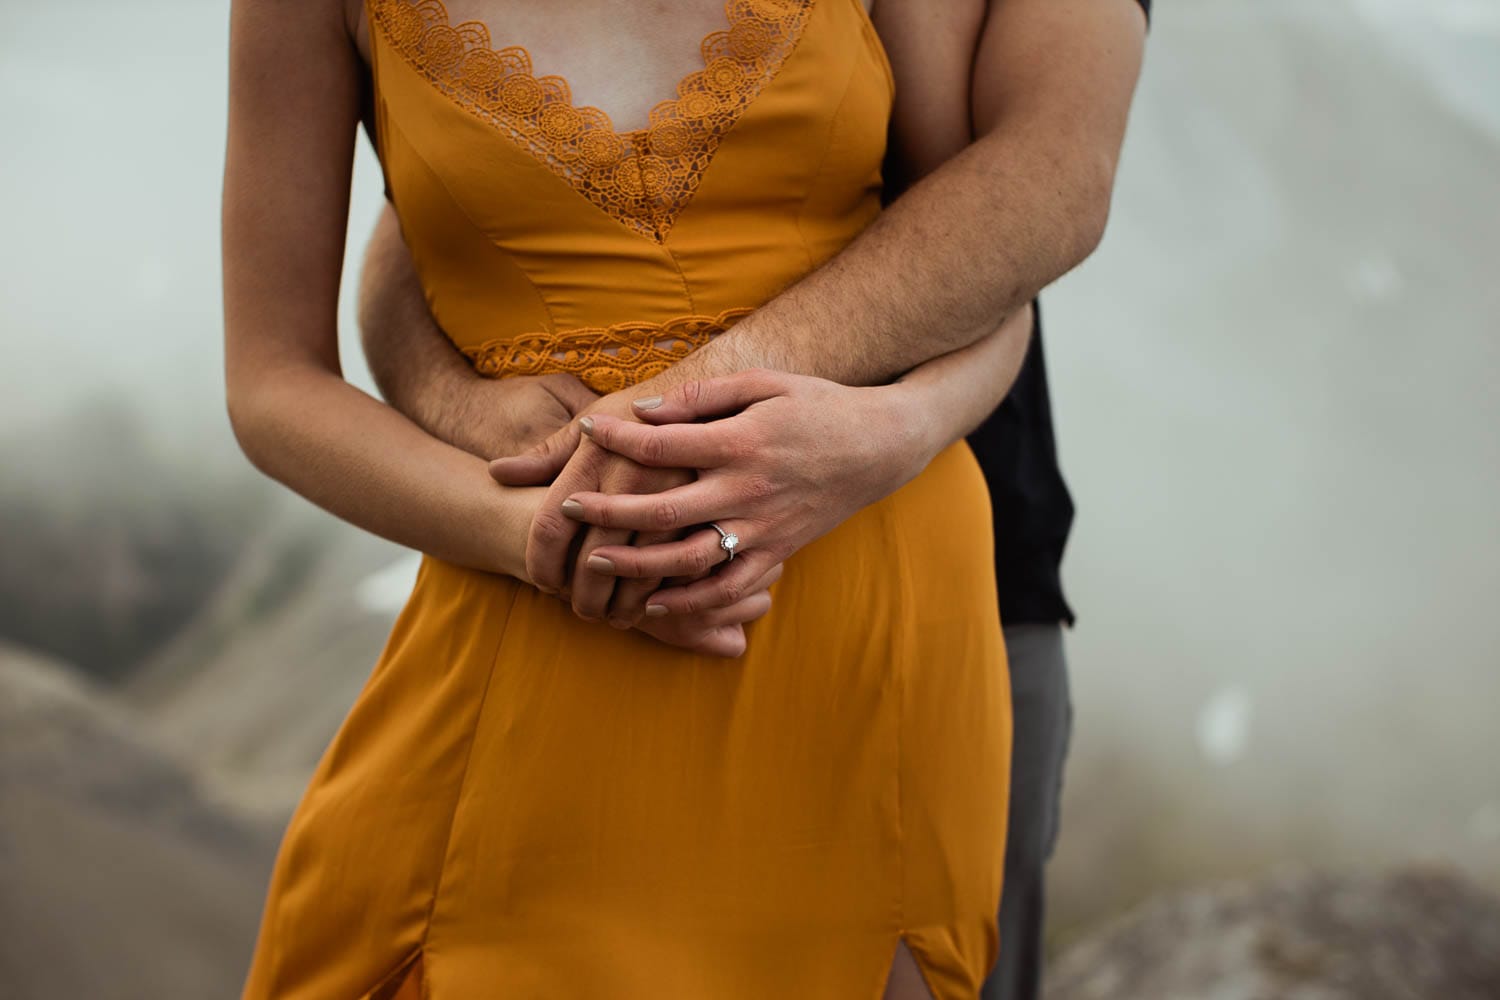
column 670, row 510
column 628, row 605
column 725, row 588
column 550, row 545
column 710, row 397
column 539, row 465
column 675, row 446
column 591, row 589
column 570, row 392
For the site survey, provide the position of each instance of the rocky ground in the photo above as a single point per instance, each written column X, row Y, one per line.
column 1414, row 934
column 1291, row 322
column 123, row 874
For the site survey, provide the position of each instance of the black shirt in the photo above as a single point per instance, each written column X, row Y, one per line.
column 1033, row 510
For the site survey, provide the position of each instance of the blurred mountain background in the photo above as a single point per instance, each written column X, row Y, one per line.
column 1277, row 407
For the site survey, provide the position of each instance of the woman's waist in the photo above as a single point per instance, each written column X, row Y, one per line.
column 605, row 358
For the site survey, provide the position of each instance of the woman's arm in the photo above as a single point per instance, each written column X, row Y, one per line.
column 295, row 79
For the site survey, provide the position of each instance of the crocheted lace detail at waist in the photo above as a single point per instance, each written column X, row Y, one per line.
column 605, row 358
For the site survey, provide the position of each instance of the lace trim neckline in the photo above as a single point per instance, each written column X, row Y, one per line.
column 643, row 178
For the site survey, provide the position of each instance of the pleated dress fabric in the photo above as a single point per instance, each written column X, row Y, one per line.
column 524, row 805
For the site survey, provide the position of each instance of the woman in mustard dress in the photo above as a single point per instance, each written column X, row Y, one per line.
column 522, row 804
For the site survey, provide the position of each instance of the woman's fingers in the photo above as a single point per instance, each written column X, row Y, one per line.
column 719, row 632
column 725, row 588
column 727, row 641
column 693, row 557
column 770, row 577
column 711, row 397
column 676, row 446
column 740, row 613
column 670, row 510
column 715, row 633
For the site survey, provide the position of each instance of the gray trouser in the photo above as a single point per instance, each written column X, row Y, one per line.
column 1043, row 722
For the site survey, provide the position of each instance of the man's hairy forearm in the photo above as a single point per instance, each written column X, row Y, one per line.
column 414, row 364
column 965, row 247
column 937, row 271
column 980, row 235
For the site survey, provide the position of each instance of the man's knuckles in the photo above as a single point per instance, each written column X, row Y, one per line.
column 549, row 528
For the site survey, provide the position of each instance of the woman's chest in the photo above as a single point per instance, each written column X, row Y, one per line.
column 623, row 58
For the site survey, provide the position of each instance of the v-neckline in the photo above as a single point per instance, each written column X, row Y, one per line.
column 643, row 178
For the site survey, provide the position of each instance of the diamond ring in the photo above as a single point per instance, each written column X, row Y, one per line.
column 727, row 540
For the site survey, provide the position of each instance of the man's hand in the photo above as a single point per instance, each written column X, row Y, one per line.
column 792, row 457
column 421, row 373
column 500, row 416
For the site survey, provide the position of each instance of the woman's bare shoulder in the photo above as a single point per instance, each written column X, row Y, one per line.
column 324, row 20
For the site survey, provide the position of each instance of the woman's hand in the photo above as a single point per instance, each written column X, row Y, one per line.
column 713, row 632
column 794, row 457
column 554, row 564
column 718, row 632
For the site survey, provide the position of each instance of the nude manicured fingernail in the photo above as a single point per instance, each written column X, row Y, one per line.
column 599, row 564
column 649, row 403
column 655, row 610
column 619, row 623
column 586, row 424
column 572, row 508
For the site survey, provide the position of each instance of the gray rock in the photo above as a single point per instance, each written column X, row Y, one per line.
column 1412, row 934
column 123, row 875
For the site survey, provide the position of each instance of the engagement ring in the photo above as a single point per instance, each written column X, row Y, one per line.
column 727, row 540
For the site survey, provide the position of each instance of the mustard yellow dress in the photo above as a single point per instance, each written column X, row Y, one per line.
column 522, row 805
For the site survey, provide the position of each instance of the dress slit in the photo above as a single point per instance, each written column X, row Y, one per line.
column 905, row 979
column 406, row 983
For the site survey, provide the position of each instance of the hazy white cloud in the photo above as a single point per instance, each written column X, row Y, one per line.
column 1375, row 278
column 384, row 592
column 1223, row 725
column 1480, row 17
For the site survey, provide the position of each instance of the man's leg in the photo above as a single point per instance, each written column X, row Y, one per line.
column 1043, row 721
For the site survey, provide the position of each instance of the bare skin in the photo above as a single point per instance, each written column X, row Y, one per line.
column 1022, row 201
column 1009, row 116
column 296, row 88
column 1019, row 198
column 424, row 377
